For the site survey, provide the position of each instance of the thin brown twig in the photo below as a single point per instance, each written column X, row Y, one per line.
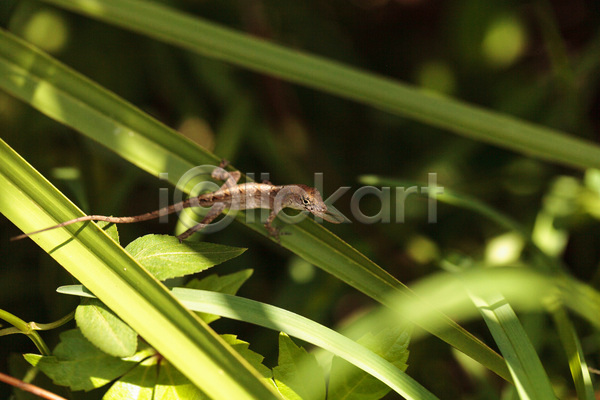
column 28, row 387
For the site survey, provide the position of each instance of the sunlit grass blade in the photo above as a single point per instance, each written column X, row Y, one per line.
column 177, row 28
column 93, row 258
column 71, row 99
column 574, row 352
column 523, row 362
column 295, row 325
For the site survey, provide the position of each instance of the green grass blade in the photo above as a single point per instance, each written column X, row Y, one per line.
column 278, row 319
column 574, row 352
column 71, row 99
column 93, row 258
column 523, row 362
column 177, row 28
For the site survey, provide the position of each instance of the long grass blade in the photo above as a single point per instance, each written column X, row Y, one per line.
column 172, row 26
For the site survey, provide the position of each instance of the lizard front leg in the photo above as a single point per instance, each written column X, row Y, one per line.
column 270, row 228
column 274, row 232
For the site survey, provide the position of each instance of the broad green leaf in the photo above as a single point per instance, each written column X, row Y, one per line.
column 165, row 257
column 298, row 375
column 154, row 378
column 137, row 384
column 104, row 329
column 172, row 385
column 252, row 357
column 78, row 364
column 110, row 229
column 350, row 383
column 228, row 284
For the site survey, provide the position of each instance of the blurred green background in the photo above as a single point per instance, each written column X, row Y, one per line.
column 537, row 60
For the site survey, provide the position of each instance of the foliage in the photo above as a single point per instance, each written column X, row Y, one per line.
column 477, row 210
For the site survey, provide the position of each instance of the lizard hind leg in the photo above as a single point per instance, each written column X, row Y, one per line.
column 213, row 213
column 231, row 179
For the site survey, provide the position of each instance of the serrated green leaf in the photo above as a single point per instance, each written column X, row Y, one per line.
column 351, row 383
column 139, row 382
column 110, row 229
column 78, row 364
column 164, row 257
column 298, row 375
column 104, row 329
column 33, row 359
column 172, row 385
column 252, row 357
column 136, row 384
column 228, row 284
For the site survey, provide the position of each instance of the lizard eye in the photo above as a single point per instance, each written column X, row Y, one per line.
column 305, row 200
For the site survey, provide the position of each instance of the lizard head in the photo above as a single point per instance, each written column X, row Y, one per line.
column 306, row 198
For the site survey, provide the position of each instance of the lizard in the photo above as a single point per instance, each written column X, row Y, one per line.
column 233, row 196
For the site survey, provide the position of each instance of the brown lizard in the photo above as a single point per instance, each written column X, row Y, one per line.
column 231, row 196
